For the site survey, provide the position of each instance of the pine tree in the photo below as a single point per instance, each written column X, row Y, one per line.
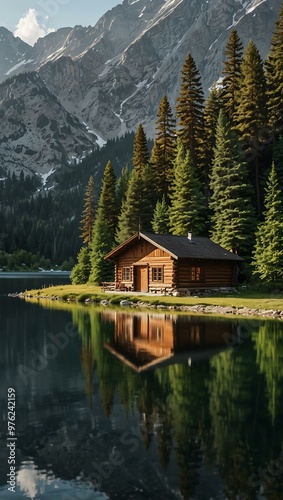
column 187, row 211
column 211, row 114
column 107, row 200
column 102, row 243
column 268, row 253
column 274, row 74
column 80, row 272
column 148, row 197
column 233, row 215
column 104, row 228
column 164, row 147
column 88, row 214
column 122, row 186
column 251, row 116
column 160, row 221
column 189, row 108
column 156, row 160
column 140, row 150
column 278, row 160
column 232, row 74
column 129, row 221
column 138, row 205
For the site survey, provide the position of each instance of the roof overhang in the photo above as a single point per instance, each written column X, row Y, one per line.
column 174, row 254
column 129, row 243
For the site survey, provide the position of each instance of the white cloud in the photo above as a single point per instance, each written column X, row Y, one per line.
column 29, row 29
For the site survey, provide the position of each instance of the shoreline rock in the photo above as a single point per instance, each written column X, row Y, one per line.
column 195, row 308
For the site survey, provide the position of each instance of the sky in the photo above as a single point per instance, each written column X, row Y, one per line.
column 31, row 19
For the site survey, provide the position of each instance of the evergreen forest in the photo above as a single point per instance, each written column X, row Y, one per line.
column 214, row 168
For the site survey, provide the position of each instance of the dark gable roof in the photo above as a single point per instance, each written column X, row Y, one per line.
column 198, row 247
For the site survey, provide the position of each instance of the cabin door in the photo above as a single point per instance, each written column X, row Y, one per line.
column 141, row 278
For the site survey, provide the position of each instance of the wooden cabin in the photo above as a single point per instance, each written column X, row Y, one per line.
column 167, row 264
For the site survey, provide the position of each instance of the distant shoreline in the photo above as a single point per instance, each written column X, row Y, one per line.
column 31, row 274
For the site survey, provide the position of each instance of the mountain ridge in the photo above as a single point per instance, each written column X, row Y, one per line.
column 112, row 76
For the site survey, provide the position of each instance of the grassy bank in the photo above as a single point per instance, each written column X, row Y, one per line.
column 80, row 293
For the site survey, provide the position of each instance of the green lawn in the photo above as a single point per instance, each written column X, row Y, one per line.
column 79, row 293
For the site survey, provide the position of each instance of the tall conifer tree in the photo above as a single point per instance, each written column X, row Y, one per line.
column 88, row 214
column 102, row 243
column 108, row 201
column 251, row 116
column 187, row 211
column 130, row 218
column 140, row 150
column 233, row 219
column 104, row 228
column 268, row 253
column 138, row 204
column 160, row 221
column 211, row 114
column 81, row 270
column 232, row 74
column 164, row 147
column 148, row 197
column 274, row 74
column 160, row 174
column 122, row 186
column 189, row 108
column 278, row 160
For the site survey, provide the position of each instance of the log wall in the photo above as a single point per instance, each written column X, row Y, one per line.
column 214, row 274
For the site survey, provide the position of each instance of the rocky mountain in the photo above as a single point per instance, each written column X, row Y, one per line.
column 113, row 75
column 37, row 134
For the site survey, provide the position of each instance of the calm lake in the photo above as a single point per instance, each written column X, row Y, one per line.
column 136, row 405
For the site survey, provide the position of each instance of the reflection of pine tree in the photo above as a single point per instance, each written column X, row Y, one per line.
column 108, row 369
column 238, row 417
column 164, row 436
column 188, row 457
column 273, row 483
column 189, row 406
column 269, row 346
column 146, row 428
column 88, row 366
column 88, row 362
column 145, row 407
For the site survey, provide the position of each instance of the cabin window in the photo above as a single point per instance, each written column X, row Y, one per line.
column 126, row 274
column 157, row 274
column 196, row 274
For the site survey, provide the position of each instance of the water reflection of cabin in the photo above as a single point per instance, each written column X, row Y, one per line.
column 165, row 263
column 144, row 340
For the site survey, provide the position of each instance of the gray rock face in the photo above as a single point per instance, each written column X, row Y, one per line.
column 113, row 75
column 37, row 133
column 14, row 53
